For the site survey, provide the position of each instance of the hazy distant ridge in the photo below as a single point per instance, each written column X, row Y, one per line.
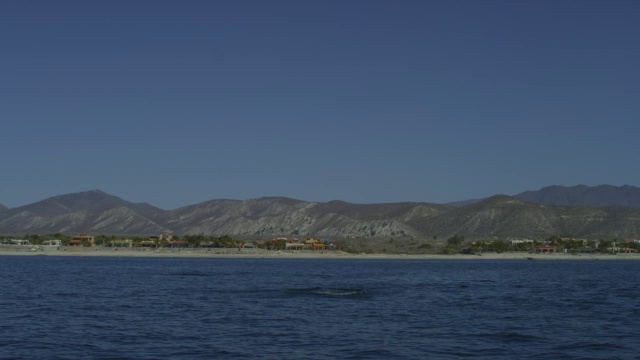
column 582, row 195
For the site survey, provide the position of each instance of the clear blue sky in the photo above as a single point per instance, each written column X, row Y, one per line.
column 178, row 102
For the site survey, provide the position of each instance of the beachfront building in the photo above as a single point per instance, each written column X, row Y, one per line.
column 317, row 243
column 544, row 249
column 320, row 246
column 295, row 246
column 82, row 240
column 520, row 241
column 19, row 242
column 52, row 242
column 312, row 240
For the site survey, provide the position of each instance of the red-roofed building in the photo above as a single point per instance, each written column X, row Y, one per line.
column 82, row 240
column 544, row 249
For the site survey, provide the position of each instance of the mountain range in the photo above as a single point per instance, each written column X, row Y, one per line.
column 596, row 212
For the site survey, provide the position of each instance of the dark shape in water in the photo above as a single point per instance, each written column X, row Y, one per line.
column 330, row 292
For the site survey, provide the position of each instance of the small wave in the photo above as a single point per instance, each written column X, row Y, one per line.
column 189, row 273
column 66, row 294
column 512, row 336
column 330, row 292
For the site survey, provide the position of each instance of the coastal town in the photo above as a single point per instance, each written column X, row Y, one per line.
column 38, row 242
column 59, row 243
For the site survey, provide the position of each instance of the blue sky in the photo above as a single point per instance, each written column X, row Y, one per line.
column 178, row 102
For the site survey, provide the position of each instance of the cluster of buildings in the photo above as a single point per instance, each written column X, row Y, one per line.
column 559, row 243
column 82, row 240
column 310, row 243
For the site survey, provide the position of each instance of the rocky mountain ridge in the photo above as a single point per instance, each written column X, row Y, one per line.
column 498, row 216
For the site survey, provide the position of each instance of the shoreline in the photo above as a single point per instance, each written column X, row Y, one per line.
column 62, row 251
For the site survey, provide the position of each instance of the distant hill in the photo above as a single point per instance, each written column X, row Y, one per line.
column 498, row 216
column 582, row 195
column 89, row 211
column 284, row 216
column 92, row 201
column 3, row 208
column 506, row 216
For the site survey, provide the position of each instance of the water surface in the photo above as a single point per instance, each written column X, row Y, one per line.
column 177, row 308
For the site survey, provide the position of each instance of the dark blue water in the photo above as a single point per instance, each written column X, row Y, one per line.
column 162, row 308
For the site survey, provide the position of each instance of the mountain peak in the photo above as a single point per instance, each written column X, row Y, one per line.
column 89, row 195
column 84, row 201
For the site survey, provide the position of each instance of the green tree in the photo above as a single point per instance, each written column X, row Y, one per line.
column 455, row 240
column 603, row 245
column 454, row 245
column 501, row 246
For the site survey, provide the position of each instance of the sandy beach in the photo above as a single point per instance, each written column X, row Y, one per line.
column 16, row 250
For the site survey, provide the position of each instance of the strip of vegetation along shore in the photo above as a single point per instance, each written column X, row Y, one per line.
column 456, row 247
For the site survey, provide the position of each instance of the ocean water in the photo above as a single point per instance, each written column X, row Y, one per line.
column 164, row 308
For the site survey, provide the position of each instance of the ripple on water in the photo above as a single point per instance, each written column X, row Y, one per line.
column 330, row 292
